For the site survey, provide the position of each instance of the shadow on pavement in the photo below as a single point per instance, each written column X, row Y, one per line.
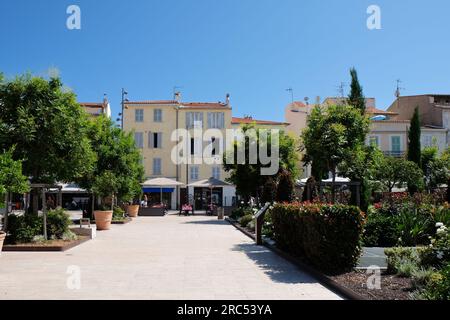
column 277, row 268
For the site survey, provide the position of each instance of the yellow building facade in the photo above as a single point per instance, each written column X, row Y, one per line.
column 154, row 124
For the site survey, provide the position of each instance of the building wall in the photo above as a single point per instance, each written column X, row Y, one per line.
column 434, row 137
column 429, row 113
column 167, row 127
column 385, row 130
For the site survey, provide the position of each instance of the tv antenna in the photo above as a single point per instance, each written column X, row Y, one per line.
column 399, row 89
column 341, row 90
column 292, row 93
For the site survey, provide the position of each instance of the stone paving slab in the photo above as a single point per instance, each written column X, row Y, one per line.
column 160, row 258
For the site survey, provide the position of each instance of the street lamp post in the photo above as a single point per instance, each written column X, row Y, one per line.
column 124, row 99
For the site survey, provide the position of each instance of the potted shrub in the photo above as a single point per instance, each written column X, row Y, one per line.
column 133, row 210
column 134, row 191
column 104, row 186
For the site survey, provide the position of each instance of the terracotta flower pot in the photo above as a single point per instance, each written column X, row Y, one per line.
column 2, row 238
column 103, row 219
column 133, row 210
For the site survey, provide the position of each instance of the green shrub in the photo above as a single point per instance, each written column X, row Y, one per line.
column 421, row 277
column 404, row 220
column 406, row 268
column 328, row 236
column 245, row 220
column 69, row 236
column 437, row 287
column 118, row 214
column 398, row 256
column 238, row 213
column 58, row 222
column 267, row 229
column 29, row 228
column 380, row 231
column 23, row 229
column 437, row 255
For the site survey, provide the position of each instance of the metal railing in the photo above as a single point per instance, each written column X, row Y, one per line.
column 395, row 154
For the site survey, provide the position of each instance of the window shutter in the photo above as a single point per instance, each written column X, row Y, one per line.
column 222, row 120
column 160, row 140
column 150, row 140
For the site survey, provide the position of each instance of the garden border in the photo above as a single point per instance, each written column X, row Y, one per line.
column 35, row 248
column 321, row 277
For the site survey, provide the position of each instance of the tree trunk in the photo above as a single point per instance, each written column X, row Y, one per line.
column 5, row 218
column 44, row 213
column 333, row 184
column 35, row 204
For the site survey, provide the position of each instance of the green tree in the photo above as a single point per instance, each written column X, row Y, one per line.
column 332, row 136
column 435, row 168
column 269, row 191
column 414, row 132
column 11, row 180
column 356, row 97
column 117, row 158
column 391, row 172
column 285, row 189
column 360, row 166
column 246, row 176
column 47, row 128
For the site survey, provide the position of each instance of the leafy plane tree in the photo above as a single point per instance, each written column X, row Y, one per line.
column 47, row 128
column 11, row 180
column 117, row 158
column 397, row 172
column 247, row 176
column 332, row 136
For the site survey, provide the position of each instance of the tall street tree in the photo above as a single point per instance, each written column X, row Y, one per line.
column 11, row 180
column 117, row 159
column 332, row 136
column 246, row 176
column 47, row 127
column 397, row 172
column 414, row 132
column 414, row 149
column 356, row 97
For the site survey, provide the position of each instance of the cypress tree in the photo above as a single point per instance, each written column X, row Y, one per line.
column 356, row 97
column 414, row 150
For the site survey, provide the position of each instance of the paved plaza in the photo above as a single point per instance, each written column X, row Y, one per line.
column 168, row 257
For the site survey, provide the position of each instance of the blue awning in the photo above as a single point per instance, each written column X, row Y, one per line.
column 158, row 190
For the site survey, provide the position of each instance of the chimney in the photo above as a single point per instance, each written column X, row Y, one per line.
column 227, row 101
column 177, row 96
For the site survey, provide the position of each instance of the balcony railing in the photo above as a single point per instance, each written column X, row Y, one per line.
column 395, row 154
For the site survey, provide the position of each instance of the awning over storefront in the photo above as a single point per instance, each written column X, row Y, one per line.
column 158, row 190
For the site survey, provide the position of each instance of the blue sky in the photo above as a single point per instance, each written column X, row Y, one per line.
column 253, row 49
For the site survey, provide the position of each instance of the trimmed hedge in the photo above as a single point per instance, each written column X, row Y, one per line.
column 328, row 236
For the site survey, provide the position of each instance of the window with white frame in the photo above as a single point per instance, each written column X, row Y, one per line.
column 157, row 115
column 396, row 145
column 139, row 140
column 194, row 120
column 155, row 140
column 216, row 172
column 427, row 141
column 157, row 166
column 139, row 115
column 216, row 120
column 194, row 172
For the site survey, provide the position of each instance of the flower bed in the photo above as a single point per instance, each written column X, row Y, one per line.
column 47, row 246
column 399, row 219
